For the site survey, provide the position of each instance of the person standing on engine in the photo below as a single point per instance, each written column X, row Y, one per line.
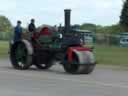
column 32, row 27
column 18, row 32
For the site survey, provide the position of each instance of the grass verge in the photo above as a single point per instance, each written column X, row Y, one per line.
column 111, row 55
column 4, row 46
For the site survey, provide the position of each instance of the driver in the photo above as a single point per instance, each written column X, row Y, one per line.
column 32, row 27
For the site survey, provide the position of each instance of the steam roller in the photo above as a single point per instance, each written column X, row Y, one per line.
column 42, row 49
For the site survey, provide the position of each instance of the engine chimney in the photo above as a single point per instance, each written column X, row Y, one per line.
column 67, row 20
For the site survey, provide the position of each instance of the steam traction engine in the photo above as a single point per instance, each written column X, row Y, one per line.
column 50, row 45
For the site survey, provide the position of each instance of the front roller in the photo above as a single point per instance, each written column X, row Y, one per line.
column 21, row 54
column 79, row 62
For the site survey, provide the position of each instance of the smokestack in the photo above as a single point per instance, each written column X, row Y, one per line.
column 67, row 20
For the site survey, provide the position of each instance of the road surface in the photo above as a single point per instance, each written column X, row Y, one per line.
column 55, row 82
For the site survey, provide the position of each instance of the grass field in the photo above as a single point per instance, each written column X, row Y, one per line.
column 111, row 55
column 104, row 55
column 3, row 49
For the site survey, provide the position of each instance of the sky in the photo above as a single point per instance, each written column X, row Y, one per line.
column 100, row 12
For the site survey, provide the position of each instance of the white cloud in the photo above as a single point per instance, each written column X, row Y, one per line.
column 51, row 11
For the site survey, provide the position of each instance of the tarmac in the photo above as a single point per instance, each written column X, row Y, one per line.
column 104, row 81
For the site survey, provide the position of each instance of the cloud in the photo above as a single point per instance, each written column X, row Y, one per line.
column 51, row 11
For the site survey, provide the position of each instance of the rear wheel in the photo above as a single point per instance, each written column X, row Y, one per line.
column 19, row 56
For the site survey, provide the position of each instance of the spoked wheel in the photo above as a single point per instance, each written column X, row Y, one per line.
column 19, row 56
column 77, row 68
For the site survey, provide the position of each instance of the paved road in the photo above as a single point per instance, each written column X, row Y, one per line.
column 55, row 82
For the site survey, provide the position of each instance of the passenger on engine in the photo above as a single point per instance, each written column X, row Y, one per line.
column 18, row 32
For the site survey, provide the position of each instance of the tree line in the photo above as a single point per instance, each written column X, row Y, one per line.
column 6, row 26
column 122, row 26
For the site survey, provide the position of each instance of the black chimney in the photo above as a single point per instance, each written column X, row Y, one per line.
column 67, row 20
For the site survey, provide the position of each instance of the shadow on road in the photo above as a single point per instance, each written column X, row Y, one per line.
column 34, row 69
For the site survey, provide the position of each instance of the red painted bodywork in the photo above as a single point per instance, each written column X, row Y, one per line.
column 71, row 49
column 45, row 31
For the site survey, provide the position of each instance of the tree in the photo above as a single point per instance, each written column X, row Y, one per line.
column 5, row 24
column 88, row 26
column 113, row 29
column 76, row 26
column 124, row 16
